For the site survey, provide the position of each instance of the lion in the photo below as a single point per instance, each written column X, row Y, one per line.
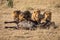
column 21, row 17
column 47, row 18
column 35, row 15
column 16, row 14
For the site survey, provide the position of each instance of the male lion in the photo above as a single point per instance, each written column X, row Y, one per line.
column 35, row 16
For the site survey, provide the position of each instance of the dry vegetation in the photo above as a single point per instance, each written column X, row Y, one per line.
column 39, row 34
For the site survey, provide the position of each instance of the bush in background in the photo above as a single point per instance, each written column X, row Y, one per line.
column 10, row 3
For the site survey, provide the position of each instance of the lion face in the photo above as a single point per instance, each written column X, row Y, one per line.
column 35, row 15
column 47, row 16
column 21, row 17
column 16, row 15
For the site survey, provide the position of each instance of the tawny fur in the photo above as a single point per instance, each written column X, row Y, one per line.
column 16, row 15
column 47, row 16
column 35, row 15
column 21, row 17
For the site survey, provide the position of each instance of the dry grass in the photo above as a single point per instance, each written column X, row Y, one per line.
column 39, row 34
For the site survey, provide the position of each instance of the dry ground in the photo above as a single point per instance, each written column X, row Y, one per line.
column 39, row 34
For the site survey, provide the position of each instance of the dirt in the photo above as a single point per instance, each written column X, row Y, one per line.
column 38, row 34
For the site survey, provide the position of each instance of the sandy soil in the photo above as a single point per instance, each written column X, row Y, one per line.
column 38, row 34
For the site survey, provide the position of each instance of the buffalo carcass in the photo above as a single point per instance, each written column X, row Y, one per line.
column 27, row 25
